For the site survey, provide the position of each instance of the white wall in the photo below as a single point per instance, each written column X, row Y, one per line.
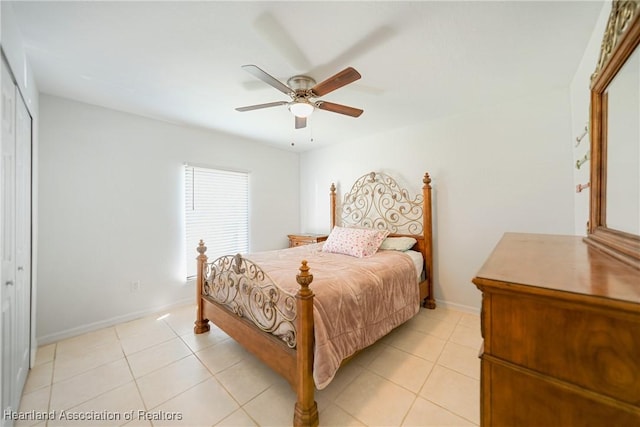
column 504, row 168
column 111, row 200
column 580, row 101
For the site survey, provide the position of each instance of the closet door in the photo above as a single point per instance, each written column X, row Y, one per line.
column 7, row 244
column 15, row 245
column 23, row 242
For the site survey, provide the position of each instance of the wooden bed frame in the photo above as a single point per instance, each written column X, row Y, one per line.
column 292, row 357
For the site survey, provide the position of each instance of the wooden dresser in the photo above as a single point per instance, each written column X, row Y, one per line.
column 561, row 328
column 305, row 239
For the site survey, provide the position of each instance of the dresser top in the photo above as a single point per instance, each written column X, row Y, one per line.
column 559, row 263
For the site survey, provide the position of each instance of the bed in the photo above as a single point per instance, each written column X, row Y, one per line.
column 305, row 311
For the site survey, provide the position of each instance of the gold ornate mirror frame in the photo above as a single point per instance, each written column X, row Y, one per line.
column 621, row 38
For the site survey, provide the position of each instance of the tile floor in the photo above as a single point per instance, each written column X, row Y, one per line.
column 425, row 373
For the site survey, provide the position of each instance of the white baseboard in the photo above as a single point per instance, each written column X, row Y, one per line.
column 459, row 307
column 51, row 338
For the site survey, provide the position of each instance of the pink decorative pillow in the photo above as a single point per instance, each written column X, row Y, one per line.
column 357, row 242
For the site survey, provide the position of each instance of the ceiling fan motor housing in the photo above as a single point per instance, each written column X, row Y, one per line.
column 301, row 84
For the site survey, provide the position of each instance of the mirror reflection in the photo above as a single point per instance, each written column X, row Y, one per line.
column 622, row 103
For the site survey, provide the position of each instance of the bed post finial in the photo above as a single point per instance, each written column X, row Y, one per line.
column 201, row 248
column 201, row 324
column 304, row 279
column 306, row 408
column 333, row 205
column 427, row 179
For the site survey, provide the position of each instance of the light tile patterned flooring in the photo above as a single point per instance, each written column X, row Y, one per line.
column 425, row 373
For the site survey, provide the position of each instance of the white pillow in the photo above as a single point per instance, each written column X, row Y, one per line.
column 357, row 242
column 398, row 243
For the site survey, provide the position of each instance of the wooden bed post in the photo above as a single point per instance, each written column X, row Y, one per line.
column 428, row 233
column 306, row 409
column 333, row 205
column 201, row 324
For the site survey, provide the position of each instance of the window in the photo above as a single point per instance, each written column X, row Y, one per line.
column 216, row 211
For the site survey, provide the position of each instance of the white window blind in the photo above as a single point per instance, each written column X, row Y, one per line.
column 216, row 211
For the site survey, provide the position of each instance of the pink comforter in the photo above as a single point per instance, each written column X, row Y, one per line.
column 357, row 300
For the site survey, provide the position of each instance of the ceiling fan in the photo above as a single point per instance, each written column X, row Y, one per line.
column 303, row 90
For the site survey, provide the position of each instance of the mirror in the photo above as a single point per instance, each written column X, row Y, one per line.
column 614, row 223
column 623, row 147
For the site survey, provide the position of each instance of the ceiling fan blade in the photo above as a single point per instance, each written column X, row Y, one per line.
column 301, row 122
column 338, row 108
column 344, row 77
column 278, row 37
column 268, row 79
column 373, row 40
column 259, row 106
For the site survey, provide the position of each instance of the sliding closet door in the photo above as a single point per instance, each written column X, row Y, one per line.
column 15, row 245
column 23, row 242
column 7, row 237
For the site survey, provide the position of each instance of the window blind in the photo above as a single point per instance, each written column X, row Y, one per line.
column 216, row 211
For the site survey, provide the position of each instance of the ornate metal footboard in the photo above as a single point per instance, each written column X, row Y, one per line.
column 243, row 301
column 246, row 290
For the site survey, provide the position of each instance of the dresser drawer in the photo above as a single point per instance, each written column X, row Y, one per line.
column 516, row 397
column 595, row 349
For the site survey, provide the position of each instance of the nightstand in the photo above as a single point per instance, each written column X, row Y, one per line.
column 305, row 239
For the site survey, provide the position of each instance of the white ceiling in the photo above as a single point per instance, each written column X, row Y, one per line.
column 180, row 61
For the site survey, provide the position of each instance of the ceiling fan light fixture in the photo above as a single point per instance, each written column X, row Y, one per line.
column 301, row 108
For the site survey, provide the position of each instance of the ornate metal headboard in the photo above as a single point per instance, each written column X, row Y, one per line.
column 377, row 201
